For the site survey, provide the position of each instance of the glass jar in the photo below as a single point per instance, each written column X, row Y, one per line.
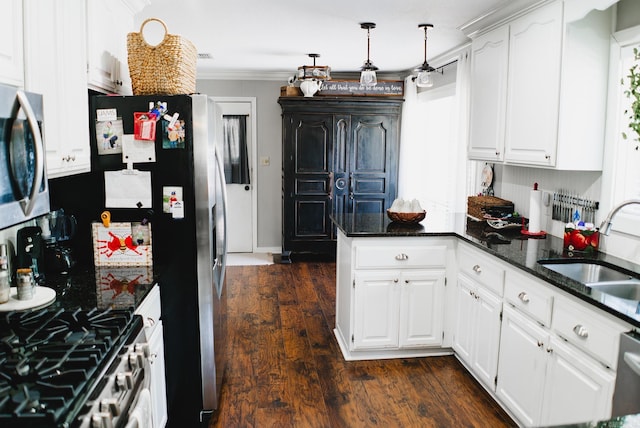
column 5, row 286
column 25, row 283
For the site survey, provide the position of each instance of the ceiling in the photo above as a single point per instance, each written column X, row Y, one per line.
column 270, row 39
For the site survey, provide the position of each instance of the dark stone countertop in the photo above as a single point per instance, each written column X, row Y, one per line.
column 87, row 288
column 510, row 246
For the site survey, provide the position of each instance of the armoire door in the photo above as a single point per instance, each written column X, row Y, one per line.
column 308, row 182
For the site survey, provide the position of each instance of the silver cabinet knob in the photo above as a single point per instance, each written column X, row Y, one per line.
column 395, row 280
column 523, row 297
column 581, row 331
column 477, row 269
column 402, row 256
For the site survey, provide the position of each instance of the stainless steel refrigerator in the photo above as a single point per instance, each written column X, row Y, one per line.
column 188, row 242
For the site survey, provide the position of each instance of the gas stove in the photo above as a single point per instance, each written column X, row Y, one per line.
column 52, row 362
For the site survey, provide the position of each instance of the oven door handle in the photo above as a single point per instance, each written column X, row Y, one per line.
column 28, row 201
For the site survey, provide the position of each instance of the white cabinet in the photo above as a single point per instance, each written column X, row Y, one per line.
column 150, row 310
column 542, row 378
column 396, row 309
column 391, row 296
column 56, row 68
column 108, row 23
column 544, row 103
column 521, row 372
column 11, row 48
column 488, row 95
column 476, row 337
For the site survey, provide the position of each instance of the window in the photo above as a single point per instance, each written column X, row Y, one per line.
column 625, row 166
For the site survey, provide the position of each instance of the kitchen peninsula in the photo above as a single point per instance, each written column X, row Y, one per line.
column 453, row 286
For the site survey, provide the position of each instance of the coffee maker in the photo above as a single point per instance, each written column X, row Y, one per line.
column 29, row 250
column 57, row 230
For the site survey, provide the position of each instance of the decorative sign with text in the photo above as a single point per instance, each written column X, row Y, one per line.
column 387, row 88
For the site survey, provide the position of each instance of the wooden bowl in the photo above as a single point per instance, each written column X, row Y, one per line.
column 407, row 218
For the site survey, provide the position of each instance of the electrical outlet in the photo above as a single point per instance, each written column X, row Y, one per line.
column 265, row 161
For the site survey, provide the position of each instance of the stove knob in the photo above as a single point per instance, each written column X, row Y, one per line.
column 136, row 360
column 101, row 420
column 111, row 406
column 124, row 381
column 144, row 348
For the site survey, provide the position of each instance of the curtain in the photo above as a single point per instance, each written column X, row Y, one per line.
column 236, row 156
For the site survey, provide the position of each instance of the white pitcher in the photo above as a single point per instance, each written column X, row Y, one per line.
column 310, row 86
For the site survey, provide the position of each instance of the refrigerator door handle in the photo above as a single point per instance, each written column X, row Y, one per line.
column 223, row 190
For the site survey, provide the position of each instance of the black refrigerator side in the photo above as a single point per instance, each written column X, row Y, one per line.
column 181, row 246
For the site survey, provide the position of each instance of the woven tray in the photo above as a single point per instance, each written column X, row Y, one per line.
column 478, row 205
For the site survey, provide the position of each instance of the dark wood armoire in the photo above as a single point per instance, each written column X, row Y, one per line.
column 339, row 155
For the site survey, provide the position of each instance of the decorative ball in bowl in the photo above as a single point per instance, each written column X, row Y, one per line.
column 407, row 218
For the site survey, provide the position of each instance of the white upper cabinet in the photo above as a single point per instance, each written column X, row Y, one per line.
column 11, row 63
column 489, row 65
column 538, row 89
column 55, row 66
column 108, row 23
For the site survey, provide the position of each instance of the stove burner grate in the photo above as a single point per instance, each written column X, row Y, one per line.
column 50, row 359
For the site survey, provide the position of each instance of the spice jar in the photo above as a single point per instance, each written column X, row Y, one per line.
column 5, row 286
column 25, row 283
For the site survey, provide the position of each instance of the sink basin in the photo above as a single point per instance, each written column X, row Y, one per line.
column 603, row 279
column 588, row 273
column 629, row 290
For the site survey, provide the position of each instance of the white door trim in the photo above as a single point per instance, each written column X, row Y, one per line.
column 254, row 163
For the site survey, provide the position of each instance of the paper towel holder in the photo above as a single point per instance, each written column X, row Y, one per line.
column 524, row 231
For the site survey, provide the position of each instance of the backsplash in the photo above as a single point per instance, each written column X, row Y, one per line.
column 514, row 183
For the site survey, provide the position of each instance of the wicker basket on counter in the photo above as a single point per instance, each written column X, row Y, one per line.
column 477, row 206
column 169, row 68
column 406, row 218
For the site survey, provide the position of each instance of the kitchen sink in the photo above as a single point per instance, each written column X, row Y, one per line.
column 629, row 290
column 587, row 273
column 604, row 279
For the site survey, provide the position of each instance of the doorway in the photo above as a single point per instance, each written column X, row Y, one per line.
column 235, row 124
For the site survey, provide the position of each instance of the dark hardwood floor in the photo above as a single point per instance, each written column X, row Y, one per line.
column 286, row 370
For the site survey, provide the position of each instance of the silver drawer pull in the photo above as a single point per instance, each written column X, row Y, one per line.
column 581, row 331
column 477, row 269
column 395, row 280
column 524, row 297
column 402, row 256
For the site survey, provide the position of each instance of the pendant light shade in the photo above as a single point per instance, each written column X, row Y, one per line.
column 368, row 76
column 424, row 78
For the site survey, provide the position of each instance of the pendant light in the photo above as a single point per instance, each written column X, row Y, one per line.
column 368, row 70
column 424, row 79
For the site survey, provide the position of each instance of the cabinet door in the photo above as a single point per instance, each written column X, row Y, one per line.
column 376, row 309
column 465, row 331
column 534, row 87
column 522, row 367
column 487, row 336
column 108, row 24
column 578, row 388
column 488, row 97
column 307, row 166
column 56, row 68
column 158, row 384
column 372, row 163
column 11, row 48
column 421, row 308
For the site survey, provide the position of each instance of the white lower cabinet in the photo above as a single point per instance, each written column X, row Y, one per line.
column 543, row 380
column 477, row 333
column 391, row 296
column 150, row 311
column 396, row 309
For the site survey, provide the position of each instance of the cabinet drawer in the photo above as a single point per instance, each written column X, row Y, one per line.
column 150, row 310
column 481, row 269
column 529, row 296
column 587, row 329
column 400, row 256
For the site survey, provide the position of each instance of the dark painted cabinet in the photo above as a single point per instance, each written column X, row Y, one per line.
column 339, row 155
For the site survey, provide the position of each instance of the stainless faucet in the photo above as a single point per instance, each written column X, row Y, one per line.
column 605, row 226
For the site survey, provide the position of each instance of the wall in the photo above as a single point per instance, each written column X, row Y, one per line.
column 269, row 144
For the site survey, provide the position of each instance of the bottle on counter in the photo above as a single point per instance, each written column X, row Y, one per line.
column 25, row 283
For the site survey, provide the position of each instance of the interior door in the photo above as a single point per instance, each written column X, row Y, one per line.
column 240, row 190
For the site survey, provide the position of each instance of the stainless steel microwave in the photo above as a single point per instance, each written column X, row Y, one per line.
column 24, row 191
